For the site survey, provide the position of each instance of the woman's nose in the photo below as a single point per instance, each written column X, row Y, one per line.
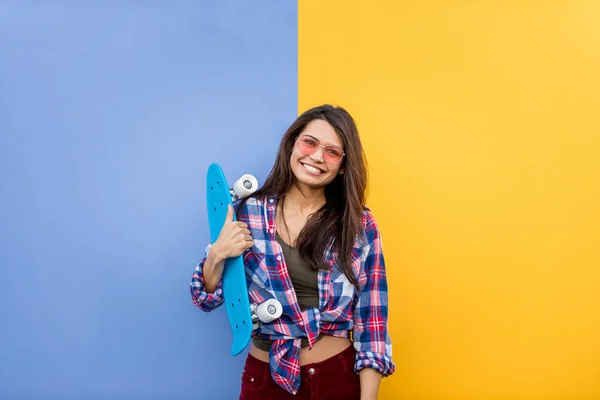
column 318, row 155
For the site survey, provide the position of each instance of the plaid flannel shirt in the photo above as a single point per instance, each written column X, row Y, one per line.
column 342, row 308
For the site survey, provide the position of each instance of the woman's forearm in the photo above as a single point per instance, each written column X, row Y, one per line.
column 369, row 383
column 213, row 270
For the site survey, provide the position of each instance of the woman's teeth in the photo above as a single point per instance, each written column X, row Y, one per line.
column 311, row 169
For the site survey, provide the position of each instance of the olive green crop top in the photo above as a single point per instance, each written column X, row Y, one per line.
column 305, row 282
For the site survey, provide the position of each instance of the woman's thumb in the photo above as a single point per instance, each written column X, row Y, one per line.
column 229, row 216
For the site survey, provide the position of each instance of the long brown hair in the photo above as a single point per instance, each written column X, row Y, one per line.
column 340, row 218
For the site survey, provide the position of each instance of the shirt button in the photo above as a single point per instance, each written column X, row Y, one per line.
column 311, row 371
column 271, row 200
column 301, row 323
column 278, row 258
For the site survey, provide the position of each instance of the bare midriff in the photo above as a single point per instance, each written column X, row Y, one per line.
column 325, row 348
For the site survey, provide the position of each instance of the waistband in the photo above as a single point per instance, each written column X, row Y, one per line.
column 346, row 355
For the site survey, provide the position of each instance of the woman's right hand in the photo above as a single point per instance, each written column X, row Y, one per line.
column 234, row 238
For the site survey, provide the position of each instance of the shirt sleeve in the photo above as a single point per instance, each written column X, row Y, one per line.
column 201, row 298
column 371, row 337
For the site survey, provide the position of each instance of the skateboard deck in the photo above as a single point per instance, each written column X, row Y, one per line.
column 235, row 290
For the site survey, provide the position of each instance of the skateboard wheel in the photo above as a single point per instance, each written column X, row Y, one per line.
column 245, row 186
column 269, row 311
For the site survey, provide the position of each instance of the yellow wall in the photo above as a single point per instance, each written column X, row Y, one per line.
column 481, row 125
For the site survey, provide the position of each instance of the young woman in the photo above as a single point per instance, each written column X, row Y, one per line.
column 309, row 241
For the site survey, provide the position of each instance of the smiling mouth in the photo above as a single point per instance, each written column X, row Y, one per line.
column 311, row 169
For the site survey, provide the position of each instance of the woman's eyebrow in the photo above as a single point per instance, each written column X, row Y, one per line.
column 311, row 136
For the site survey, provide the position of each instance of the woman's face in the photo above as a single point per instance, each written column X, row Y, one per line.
column 318, row 169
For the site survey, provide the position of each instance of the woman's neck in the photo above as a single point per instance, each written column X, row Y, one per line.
column 304, row 199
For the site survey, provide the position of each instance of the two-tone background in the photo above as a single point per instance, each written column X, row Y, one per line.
column 481, row 125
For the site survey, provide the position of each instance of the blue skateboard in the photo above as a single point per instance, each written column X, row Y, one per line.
column 243, row 317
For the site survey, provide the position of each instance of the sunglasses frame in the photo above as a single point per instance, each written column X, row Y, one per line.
column 323, row 146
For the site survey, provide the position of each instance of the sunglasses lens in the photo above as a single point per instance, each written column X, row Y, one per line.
column 332, row 155
column 308, row 146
